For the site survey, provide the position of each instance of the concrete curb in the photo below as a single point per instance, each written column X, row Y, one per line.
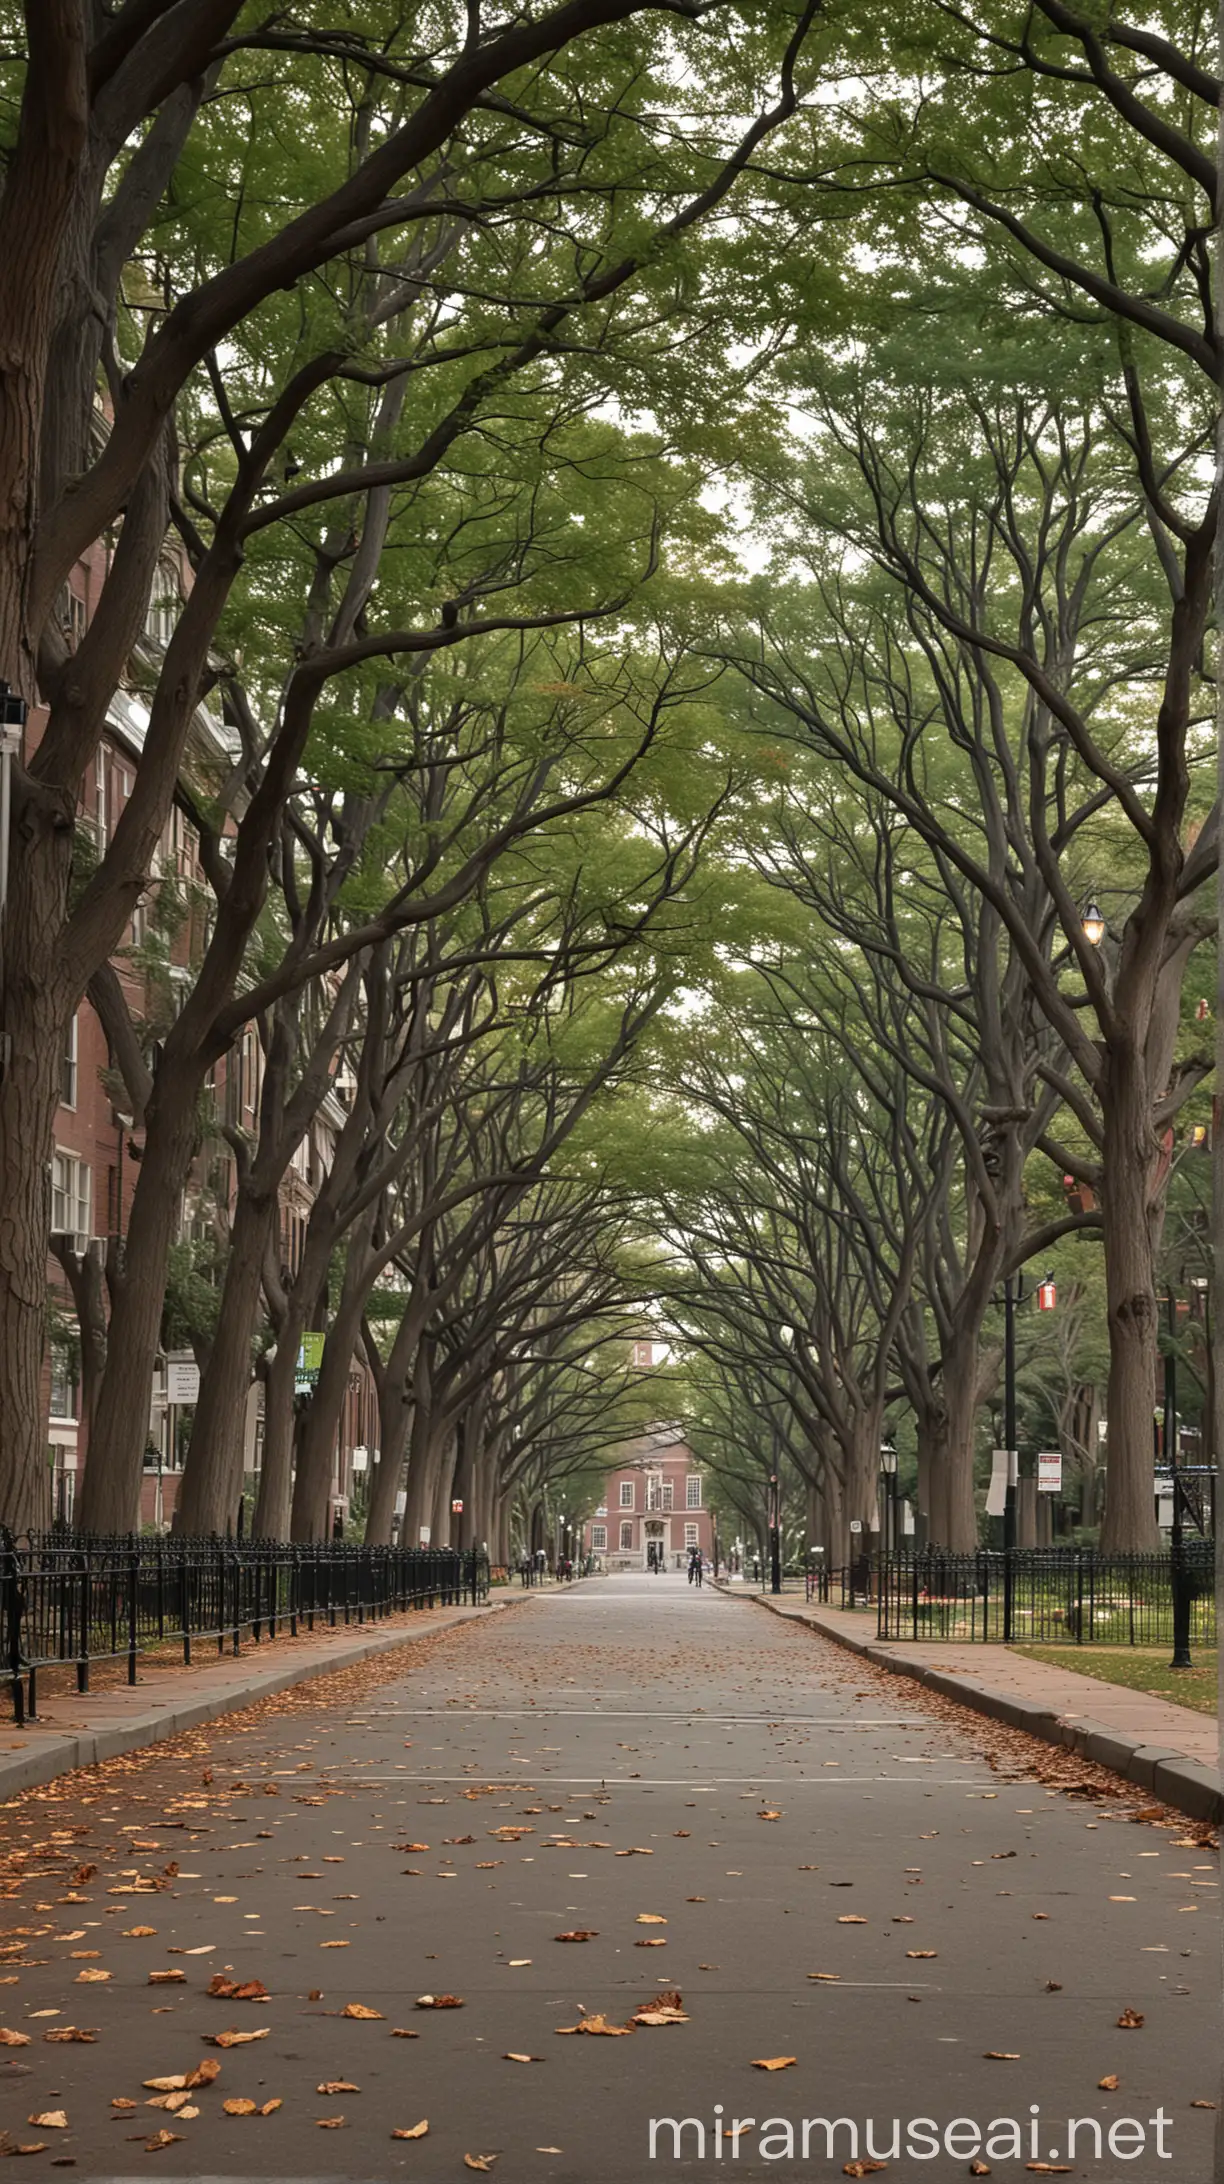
column 88, row 1748
column 1176, row 1780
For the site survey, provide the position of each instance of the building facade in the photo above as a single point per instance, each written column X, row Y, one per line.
column 654, row 1498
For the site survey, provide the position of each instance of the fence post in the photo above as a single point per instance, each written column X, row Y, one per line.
column 133, row 1609
column 83, row 1632
column 185, row 1603
column 10, row 1593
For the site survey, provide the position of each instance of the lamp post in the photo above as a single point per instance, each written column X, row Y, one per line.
column 775, row 1536
column 888, row 1466
column 1014, row 1295
column 1172, row 1454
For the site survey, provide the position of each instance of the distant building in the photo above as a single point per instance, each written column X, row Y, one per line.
column 656, row 1495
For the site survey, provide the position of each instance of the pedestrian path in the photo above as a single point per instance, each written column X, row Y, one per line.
column 780, row 1890
column 74, row 1729
column 1166, row 1748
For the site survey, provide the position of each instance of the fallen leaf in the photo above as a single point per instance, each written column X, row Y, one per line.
column 51, row 2119
column 479, row 2161
column 922, row 1952
column 401, row 2032
column 653, row 1943
column 138, row 1933
column 416, row 2130
column 769, row 1816
column 270, row 2107
column 359, row 2009
column 595, row 2024
column 91, row 1973
column 119, row 2102
column 579, row 1933
column 775, row 2062
column 240, row 2107
column 39, row 2146
column 999, row 2055
column 980, row 2168
column 9, row 2038
column 223, row 1989
column 173, row 1978
column 233, row 2039
column 332, row 2086
column 1130, row 2020
column 862, row 2167
column 424, row 2002
column 834, row 1976
column 650, row 1918
column 1202, row 2104
column 516, row 1964
column 1109, row 2084
column 851, row 1918
column 329, row 2123
column 512, row 2058
column 1050, row 2168
column 72, row 2032
column 160, row 2139
column 1053, row 1986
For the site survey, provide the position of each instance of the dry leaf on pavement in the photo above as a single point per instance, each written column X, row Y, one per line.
column 579, row 1933
column 1130, row 2020
column 428, row 2002
column 234, row 2039
column 329, row 2123
column 851, row 1918
column 479, row 2161
column 774, row 2062
column 1109, row 2084
column 650, row 1918
column 51, row 2119
column 417, row 2130
column 513, row 2058
column 998, row 2055
column 596, row 2023
column 240, row 2107
column 9, row 2038
column 359, row 2009
column 72, row 2032
column 862, row 2167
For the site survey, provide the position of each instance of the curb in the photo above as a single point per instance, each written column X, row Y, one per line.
column 88, row 1748
column 1176, row 1780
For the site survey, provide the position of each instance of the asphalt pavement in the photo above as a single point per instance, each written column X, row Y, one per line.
column 632, row 1802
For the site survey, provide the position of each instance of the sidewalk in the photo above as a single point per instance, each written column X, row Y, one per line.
column 1169, row 1750
column 74, row 1730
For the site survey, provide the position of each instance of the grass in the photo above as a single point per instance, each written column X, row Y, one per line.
column 1141, row 1668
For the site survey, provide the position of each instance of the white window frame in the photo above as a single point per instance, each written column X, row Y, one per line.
column 626, row 1538
column 71, row 1193
column 627, row 1499
column 669, row 1496
column 654, row 1493
column 691, row 1536
column 69, row 1060
column 599, row 1539
column 692, row 1490
column 101, row 769
column 72, row 1381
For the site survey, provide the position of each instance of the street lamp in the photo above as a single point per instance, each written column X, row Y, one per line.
column 888, row 1465
column 1093, row 925
column 1172, row 1454
column 775, row 1536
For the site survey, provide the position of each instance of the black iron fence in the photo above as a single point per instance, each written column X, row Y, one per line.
column 1044, row 1596
column 84, row 1600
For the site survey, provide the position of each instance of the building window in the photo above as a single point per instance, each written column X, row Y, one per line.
column 654, row 1491
column 690, row 1535
column 63, row 1381
column 101, row 829
column 71, row 1195
column 668, row 1494
column 626, row 1538
column 692, row 1491
column 68, row 1066
column 599, row 1539
column 626, row 1494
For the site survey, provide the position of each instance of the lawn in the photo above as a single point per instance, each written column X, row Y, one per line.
column 1141, row 1668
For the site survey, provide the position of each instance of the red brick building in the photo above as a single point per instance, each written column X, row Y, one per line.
column 655, row 1496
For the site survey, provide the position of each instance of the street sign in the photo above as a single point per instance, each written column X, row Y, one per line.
column 456, row 1509
column 182, row 1378
column 1049, row 1471
column 423, row 1536
column 856, row 1524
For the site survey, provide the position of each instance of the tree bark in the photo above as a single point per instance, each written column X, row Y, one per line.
column 212, row 1478
column 1131, row 1211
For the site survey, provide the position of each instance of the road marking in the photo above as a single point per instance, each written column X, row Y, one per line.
column 681, row 1782
column 459, row 1712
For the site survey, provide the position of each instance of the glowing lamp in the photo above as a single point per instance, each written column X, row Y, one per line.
column 1094, row 925
column 1047, row 1294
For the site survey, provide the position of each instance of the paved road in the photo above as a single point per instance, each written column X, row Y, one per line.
column 666, row 1767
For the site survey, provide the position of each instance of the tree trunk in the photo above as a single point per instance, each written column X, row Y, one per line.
column 110, row 1497
column 212, row 1478
column 1130, row 1232
column 952, row 1454
column 394, row 1425
column 34, row 1013
column 275, row 1499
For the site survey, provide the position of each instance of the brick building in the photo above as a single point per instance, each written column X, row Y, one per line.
column 654, row 1496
